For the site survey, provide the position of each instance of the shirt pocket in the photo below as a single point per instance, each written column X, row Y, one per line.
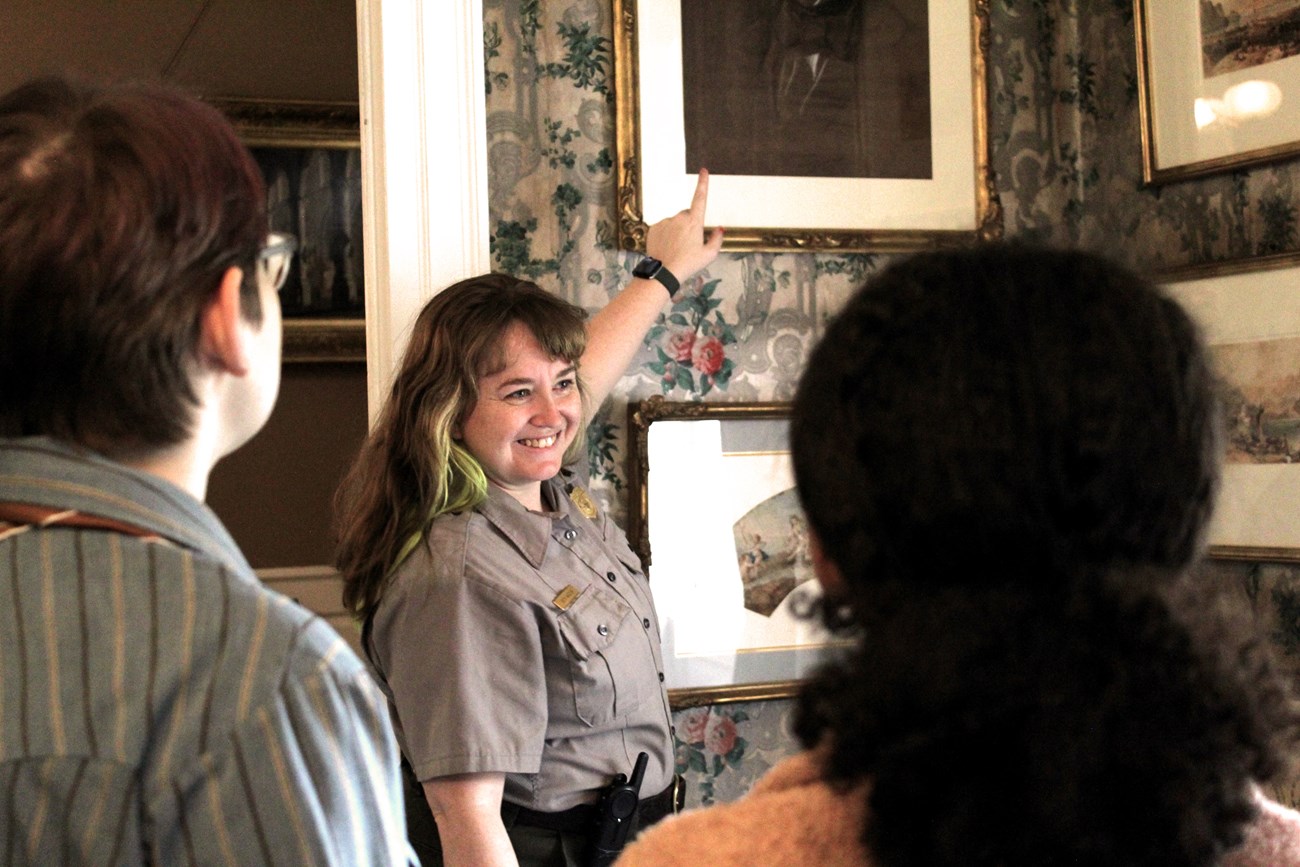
column 609, row 665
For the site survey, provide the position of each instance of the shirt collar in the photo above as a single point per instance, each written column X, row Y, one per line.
column 530, row 532
column 45, row 472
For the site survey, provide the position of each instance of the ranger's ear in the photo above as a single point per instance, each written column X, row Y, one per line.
column 222, row 331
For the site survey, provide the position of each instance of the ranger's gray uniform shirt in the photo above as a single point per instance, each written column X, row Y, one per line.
column 492, row 664
column 158, row 704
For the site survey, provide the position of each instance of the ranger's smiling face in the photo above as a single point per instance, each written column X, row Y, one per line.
column 526, row 415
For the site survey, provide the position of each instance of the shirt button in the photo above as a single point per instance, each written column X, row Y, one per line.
column 611, row 576
column 604, row 630
column 570, row 535
column 661, row 677
column 645, row 621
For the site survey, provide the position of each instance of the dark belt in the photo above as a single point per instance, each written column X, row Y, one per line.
column 581, row 819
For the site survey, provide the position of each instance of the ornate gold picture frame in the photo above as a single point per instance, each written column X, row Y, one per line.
column 716, row 521
column 301, row 133
column 948, row 198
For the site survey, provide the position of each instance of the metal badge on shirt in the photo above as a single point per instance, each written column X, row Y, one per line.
column 583, row 501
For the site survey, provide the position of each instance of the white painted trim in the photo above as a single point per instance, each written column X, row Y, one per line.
column 423, row 164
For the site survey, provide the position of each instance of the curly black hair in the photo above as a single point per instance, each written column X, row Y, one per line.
column 1010, row 454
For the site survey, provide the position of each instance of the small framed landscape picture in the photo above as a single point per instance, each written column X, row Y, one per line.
column 1219, row 84
column 1249, row 312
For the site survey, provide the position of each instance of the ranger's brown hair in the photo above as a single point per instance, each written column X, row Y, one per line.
column 411, row 469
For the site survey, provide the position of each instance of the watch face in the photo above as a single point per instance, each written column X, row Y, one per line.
column 647, row 267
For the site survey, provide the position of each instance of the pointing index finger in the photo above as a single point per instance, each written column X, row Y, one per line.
column 701, row 196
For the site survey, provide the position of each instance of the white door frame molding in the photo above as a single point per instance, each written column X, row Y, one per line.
column 423, row 163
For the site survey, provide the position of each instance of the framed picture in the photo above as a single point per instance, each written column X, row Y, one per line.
column 840, row 125
column 310, row 156
column 1249, row 312
column 1219, row 85
column 716, row 521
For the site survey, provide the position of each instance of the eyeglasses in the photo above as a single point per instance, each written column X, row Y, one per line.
column 274, row 259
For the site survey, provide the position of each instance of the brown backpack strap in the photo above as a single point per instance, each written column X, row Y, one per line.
column 19, row 517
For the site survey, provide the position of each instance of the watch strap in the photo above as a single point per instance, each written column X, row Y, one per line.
column 653, row 269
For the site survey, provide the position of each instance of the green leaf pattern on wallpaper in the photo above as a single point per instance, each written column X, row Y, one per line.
column 1274, row 593
column 1065, row 149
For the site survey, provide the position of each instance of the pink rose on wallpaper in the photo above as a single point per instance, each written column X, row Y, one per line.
column 707, row 355
column 720, row 735
column 678, row 345
column 693, row 724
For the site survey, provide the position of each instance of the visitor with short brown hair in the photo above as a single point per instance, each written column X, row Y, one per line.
column 158, row 704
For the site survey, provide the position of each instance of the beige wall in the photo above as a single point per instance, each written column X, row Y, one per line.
column 274, row 494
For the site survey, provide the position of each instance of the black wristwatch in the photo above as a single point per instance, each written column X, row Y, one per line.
column 651, row 268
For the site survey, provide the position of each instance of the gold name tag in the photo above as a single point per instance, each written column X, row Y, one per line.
column 566, row 597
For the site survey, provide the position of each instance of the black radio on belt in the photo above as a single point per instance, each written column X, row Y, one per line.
column 616, row 816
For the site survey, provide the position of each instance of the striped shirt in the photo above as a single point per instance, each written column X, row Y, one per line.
column 158, row 704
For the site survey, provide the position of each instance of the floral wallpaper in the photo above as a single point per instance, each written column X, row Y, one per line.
column 1065, row 140
column 1273, row 593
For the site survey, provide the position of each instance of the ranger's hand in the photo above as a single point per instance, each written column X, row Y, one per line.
column 678, row 241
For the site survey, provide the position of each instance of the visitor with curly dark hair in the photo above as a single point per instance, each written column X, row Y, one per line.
column 1007, row 457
